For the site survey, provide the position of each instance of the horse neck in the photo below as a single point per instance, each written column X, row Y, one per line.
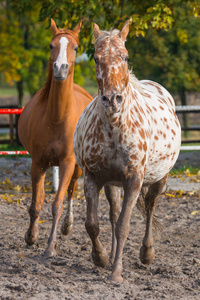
column 60, row 100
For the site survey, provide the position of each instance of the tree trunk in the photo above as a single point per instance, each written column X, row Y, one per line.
column 182, row 95
column 20, row 104
column 20, row 92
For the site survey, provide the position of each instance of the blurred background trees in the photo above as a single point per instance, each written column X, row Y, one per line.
column 163, row 43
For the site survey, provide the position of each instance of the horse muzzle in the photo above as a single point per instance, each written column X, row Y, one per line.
column 112, row 101
column 60, row 72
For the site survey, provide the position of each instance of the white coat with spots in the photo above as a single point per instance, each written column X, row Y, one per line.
column 128, row 136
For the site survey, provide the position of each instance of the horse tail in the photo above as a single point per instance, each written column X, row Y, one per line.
column 157, row 226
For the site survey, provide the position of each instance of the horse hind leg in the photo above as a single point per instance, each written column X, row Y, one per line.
column 67, row 225
column 38, row 177
column 147, row 251
column 113, row 194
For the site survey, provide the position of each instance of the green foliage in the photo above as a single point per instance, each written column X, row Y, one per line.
column 163, row 41
column 84, row 69
column 107, row 14
column 171, row 57
column 23, row 54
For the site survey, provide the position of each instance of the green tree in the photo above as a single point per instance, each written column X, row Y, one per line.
column 171, row 57
column 25, row 34
column 23, row 53
column 107, row 14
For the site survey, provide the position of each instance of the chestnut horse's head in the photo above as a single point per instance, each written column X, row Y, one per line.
column 64, row 45
column 111, row 58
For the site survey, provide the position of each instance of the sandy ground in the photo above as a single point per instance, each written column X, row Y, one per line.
column 25, row 274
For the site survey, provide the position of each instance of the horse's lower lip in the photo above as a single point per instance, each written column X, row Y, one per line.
column 105, row 103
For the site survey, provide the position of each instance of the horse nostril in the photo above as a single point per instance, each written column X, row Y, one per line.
column 104, row 98
column 64, row 66
column 119, row 98
column 55, row 66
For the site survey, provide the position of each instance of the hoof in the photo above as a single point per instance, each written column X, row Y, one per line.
column 30, row 239
column 49, row 252
column 147, row 255
column 66, row 229
column 116, row 278
column 100, row 260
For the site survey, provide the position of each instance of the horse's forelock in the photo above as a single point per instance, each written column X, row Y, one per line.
column 106, row 34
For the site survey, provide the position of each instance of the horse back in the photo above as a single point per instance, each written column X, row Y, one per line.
column 155, row 89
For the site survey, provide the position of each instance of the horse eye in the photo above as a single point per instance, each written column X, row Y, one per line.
column 126, row 59
column 76, row 48
column 96, row 60
column 51, row 47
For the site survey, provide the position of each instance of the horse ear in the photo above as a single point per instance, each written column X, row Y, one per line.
column 54, row 27
column 124, row 32
column 78, row 27
column 96, row 31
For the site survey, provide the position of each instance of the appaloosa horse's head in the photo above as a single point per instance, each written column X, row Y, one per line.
column 64, row 45
column 111, row 58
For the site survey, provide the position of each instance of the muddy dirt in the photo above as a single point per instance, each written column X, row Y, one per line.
column 71, row 275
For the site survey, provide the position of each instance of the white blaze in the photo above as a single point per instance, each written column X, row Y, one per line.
column 62, row 56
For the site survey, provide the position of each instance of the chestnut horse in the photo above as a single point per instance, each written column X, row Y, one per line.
column 46, row 130
column 128, row 136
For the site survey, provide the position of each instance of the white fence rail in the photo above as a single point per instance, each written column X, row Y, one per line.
column 189, row 109
column 179, row 109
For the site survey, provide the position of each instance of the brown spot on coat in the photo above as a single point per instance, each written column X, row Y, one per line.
column 143, row 160
column 140, row 145
column 142, row 133
column 174, row 133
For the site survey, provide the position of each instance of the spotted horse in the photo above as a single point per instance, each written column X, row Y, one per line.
column 128, row 136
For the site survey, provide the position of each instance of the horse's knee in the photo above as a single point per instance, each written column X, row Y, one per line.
column 34, row 212
column 57, row 209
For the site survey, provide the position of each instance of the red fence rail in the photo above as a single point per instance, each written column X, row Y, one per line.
column 13, row 152
column 12, row 111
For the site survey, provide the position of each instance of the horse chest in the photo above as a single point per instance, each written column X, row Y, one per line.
column 112, row 150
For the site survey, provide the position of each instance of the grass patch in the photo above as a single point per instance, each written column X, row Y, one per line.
column 4, row 136
column 10, row 91
column 186, row 170
column 15, row 147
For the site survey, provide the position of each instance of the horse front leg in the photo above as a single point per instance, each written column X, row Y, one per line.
column 91, row 189
column 37, row 177
column 113, row 194
column 68, row 220
column 147, row 251
column 132, row 188
column 66, row 172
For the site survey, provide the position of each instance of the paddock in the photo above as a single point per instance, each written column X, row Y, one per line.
column 25, row 274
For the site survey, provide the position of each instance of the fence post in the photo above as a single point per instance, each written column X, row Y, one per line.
column 55, row 179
